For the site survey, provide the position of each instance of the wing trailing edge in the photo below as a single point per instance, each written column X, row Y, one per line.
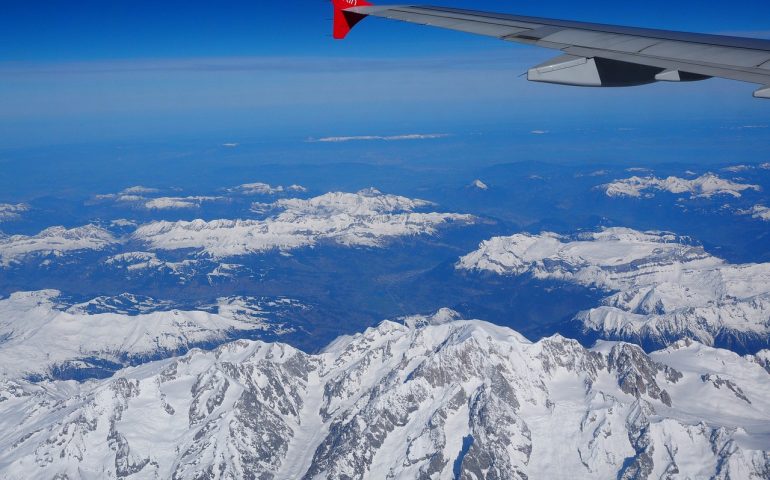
column 592, row 55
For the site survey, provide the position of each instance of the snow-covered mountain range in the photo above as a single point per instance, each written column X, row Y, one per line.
column 366, row 218
column 144, row 265
column 151, row 199
column 168, row 382
column 42, row 336
column 663, row 288
column 169, row 203
column 149, row 262
column 428, row 397
column 705, row 186
column 260, row 188
column 53, row 241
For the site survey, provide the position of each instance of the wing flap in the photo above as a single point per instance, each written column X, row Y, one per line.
column 609, row 41
column 708, row 54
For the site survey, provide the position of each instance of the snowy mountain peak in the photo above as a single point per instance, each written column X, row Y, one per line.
column 442, row 316
column 478, row 184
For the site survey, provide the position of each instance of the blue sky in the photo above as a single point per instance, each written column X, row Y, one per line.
column 89, row 71
column 98, row 30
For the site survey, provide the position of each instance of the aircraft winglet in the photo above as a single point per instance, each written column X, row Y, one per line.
column 344, row 19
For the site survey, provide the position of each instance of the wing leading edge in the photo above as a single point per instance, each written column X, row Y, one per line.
column 594, row 55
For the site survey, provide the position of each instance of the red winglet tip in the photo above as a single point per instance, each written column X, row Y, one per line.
column 344, row 21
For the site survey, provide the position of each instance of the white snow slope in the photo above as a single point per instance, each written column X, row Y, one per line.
column 665, row 288
column 39, row 337
column 430, row 397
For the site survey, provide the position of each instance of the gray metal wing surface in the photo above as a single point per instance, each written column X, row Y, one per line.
column 595, row 54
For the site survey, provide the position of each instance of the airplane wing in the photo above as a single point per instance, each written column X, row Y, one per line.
column 592, row 55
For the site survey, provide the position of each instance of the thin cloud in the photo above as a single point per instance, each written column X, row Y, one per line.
column 369, row 138
column 492, row 60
